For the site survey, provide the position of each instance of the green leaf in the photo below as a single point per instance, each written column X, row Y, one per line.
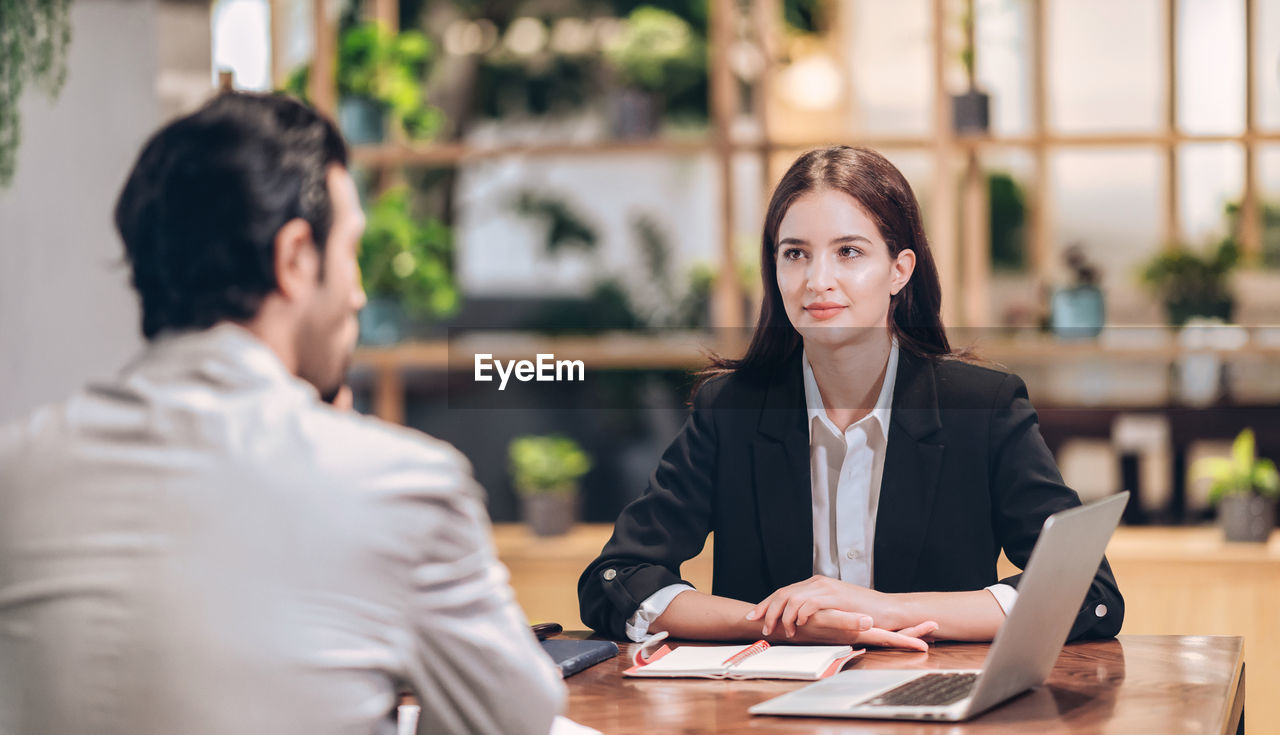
column 657, row 51
column 407, row 258
column 1215, row 469
column 390, row 69
column 1265, row 479
column 33, row 49
column 1242, row 451
column 542, row 464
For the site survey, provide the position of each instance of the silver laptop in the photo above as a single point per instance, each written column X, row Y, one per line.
column 1063, row 563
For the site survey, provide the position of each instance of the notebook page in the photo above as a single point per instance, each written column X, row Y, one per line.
column 694, row 658
column 798, row 660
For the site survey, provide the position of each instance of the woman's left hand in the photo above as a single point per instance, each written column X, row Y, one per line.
column 794, row 604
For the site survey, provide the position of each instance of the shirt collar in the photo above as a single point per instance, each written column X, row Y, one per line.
column 226, row 355
column 879, row 415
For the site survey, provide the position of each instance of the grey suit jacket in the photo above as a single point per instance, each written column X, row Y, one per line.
column 204, row 547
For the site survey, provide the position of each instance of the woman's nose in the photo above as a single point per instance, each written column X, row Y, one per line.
column 820, row 274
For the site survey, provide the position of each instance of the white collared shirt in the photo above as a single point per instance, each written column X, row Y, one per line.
column 845, row 472
column 845, row 469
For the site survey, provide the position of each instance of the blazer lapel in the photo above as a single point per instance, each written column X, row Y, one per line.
column 910, row 479
column 780, row 455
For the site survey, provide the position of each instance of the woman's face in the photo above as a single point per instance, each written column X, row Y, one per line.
column 835, row 273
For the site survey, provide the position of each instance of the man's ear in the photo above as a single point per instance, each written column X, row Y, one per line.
column 903, row 266
column 297, row 259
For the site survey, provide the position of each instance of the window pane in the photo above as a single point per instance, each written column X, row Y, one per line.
column 1015, row 294
column 501, row 252
column 1105, row 69
column 1211, row 66
column 1268, row 172
column 242, row 42
column 1266, row 23
column 1003, row 33
column 1209, row 178
column 892, row 66
column 917, row 167
column 1009, row 173
column 1109, row 202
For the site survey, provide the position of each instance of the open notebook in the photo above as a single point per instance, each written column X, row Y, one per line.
column 756, row 661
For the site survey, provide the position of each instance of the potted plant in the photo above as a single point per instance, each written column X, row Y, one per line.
column 545, row 470
column 406, row 269
column 657, row 54
column 1007, row 213
column 971, row 110
column 380, row 83
column 1079, row 310
column 33, row 49
column 1190, row 284
column 1244, row 488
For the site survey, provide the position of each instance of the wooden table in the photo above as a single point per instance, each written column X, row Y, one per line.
column 1175, row 581
column 1132, row 685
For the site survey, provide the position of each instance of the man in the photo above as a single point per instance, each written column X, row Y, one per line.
column 204, row 546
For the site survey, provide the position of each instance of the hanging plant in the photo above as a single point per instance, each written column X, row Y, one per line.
column 33, row 48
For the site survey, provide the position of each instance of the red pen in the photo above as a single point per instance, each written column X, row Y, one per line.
column 746, row 653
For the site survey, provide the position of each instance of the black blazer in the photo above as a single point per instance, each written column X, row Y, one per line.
column 966, row 473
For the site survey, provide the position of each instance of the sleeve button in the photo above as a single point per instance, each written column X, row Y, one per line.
column 609, row 574
column 1100, row 610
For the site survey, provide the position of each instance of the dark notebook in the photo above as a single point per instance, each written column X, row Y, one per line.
column 572, row 656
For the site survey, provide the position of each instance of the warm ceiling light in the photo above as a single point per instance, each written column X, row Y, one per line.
column 812, row 83
column 526, row 36
column 462, row 38
column 571, row 36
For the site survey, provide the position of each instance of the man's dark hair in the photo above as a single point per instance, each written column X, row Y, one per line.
column 202, row 206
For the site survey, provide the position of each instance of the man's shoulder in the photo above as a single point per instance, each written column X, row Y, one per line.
column 22, row 437
column 373, row 443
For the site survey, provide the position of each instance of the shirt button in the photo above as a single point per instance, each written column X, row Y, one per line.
column 1100, row 611
column 854, row 554
column 609, row 574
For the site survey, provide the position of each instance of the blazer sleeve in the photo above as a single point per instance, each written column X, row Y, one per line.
column 656, row 533
column 1026, row 489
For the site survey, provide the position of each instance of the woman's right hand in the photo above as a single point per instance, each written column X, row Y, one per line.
column 832, row 626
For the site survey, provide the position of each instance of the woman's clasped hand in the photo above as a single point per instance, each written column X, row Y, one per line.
column 827, row 609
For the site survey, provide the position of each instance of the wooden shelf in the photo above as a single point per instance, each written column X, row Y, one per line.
column 611, row 350
column 1044, row 349
column 691, row 351
column 448, row 154
column 629, row 350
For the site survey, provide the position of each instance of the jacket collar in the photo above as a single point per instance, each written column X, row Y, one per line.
column 783, row 412
column 914, row 408
column 915, row 397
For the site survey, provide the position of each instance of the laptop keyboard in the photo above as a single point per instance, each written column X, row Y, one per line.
column 926, row 691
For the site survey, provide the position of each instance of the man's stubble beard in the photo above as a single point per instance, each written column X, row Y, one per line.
column 328, row 395
column 317, row 370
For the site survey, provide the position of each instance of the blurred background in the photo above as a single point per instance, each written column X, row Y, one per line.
column 1100, row 183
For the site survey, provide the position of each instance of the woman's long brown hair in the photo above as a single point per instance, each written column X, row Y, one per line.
column 915, row 312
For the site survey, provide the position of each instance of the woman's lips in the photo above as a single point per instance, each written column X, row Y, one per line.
column 824, row 311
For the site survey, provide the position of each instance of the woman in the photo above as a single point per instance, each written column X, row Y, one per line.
column 859, row 478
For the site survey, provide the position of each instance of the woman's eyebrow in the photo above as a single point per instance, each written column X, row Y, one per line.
column 841, row 239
